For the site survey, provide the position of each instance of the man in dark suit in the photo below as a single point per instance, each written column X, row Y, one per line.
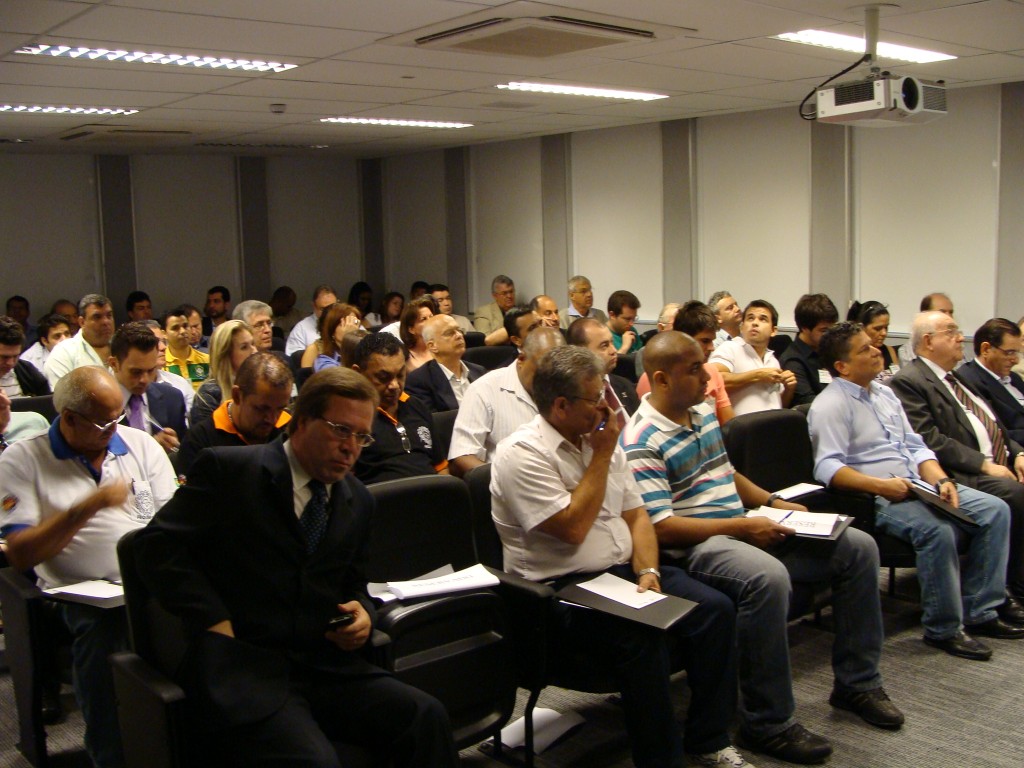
column 964, row 433
column 619, row 392
column 19, row 378
column 257, row 554
column 441, row 383
column 155, row 408
column 997, row 346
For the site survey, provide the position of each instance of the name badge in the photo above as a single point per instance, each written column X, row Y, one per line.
column 143, row 494
column 824, row 377
column 894, row 368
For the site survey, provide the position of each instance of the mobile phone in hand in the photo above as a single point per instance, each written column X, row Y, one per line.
column 339, row 621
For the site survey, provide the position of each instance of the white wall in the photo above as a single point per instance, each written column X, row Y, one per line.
column 414, row 220
column 49, row 231
column 753, row 198
column 506, row 231
column 186, row 227
column 926, row 204
column 313, row 216
column 617, row 213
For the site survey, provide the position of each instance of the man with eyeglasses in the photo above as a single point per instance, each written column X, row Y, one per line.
column 257, row 554
column 965, row 432
column 69, row 494
column 489, row 318
column 403, row 429
column 581, row 303
column 997, row 346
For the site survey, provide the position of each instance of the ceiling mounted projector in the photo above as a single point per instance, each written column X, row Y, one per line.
column 884, row 100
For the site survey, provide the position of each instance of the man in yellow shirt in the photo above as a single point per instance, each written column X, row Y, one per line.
column 182, row 358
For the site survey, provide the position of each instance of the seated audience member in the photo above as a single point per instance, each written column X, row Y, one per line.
column 16, row 426
column 418, row 288
column 305, row 331
column 443, row 298
column 441, row 383
column 697, row 504
column 157, row 409
column 217, row 308
column 488, row 318
column 963, row 430
column 695, row 319
column 665, row 318
column 391, row 307
column 71, row 493
column 403, row 433
column 90, row 347
column 752, row 375
column 17, row 377
column 172, row 379
column 546, row 309
column 622, row 310
column 253, row 414
column 619, row 392
column 997, row 347
column 286, row 314
column 52, row 330
column 815, row 313
column 729, row 314
column 1019, row 367
column 182, row 358
column 519, row 322
column 256, row 583
column 70, row 310
column 260, row 319
column 498, row 403
column 196, row 337
column 18, row 309
column 933, row 302
column 335, row 321
column 360, row 296
column 874, row 316
column 349, row 344
column 138, row 306
column 581, row 302
column 565, row 504
column 410, row 328
column 863, row 442
column 230, row 346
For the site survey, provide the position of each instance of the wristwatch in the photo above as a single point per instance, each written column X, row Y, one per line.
column 645, row 571
column 941, row 481
column 772, row 499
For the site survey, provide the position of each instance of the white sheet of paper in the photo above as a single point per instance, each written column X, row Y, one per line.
column 808, row 523
column 548, row 727
column 798, row 490
column 98, row 589
column 379, row 589
column 474, row 577
column 773, row 514
column 621, row 591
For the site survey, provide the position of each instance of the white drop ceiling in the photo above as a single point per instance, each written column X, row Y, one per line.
column 358, row 58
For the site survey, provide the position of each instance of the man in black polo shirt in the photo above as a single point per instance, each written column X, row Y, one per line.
column 403, row 433
column 815, row 313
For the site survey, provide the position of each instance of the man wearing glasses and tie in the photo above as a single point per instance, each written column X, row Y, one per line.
column 259, row 554
column 68, row 496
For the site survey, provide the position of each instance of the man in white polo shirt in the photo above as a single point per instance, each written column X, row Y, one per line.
column 69, row 494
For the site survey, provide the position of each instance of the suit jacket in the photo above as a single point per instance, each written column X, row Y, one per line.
column 32, row 382
column 167, row 407
column 488, row 318
column 625, row 390
column 937, row 416
column 228, row 545
column 430, row 386
column 1007, row 407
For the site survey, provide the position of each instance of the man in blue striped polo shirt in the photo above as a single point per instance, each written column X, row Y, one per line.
column 696, row 501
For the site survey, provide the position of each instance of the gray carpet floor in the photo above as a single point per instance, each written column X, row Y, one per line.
column 960, row 714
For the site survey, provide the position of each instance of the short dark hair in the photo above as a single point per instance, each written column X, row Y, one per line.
column 92, row 300
column 132, row 336
column 501, row 280
column 577, row 331
column 763, row 304
column 192, row 310
column 11, row 332
column 322, row 289
column 50, row 321
column 511, row 319
column 358, row 288
column 438, row 287
column 694, row 317
column 420, row 284
column 134, row 298
column 262, row 366
column 835, row 342
column 814, row 308
column 867, row 312
column 380, row 343
column 620, row 299
column 222, row 290
column 182, row 310
column 561, row 372
column 16, row 298
column 926, row 302
column 993, row 332
column 319, row 388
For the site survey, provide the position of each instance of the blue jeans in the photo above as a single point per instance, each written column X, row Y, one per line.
column 97, row 633
column 951, row 599
column 759, row 582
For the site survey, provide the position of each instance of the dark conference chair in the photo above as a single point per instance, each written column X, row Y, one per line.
column 474, row 339
column 444, row 426
column 41, row 404
column 491, row 357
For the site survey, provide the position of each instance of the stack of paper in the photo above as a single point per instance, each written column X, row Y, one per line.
column 474, row 577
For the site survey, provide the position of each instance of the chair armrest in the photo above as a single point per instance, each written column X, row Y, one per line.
column 151, row 710
column 510, row 583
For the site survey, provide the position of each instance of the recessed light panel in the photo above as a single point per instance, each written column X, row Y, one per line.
column 142, row 57
column 856, row 45
column 576, row 90
column 400, row 123
column 37, row 109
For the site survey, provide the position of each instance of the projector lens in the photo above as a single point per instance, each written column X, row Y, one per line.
column 911, row 94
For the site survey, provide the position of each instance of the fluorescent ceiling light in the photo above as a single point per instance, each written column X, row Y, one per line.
column 35, row 109
column 402, row 123
column 141, row 57
column 575, row 90
column 856, row 45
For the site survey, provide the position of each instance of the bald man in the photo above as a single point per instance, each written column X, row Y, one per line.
column 441, row 383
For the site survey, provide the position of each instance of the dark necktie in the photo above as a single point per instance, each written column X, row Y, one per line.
column 314, row 516
column 995, row 434
column 135, row 417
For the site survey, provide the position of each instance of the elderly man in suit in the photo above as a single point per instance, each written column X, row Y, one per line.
column 964, row 432
column 270, row 679
column 997, row 346
column 442, row 382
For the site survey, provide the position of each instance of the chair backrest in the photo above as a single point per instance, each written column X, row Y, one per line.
column 485, row 535
column 491, row 357
column 41, row 404
column 474, row 339
column 295, row 359
column 625, row 367
column 771, row 448
column 444, row 425
column 420, row 524
column 779, row 343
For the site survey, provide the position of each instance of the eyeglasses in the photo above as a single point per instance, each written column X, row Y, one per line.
column 1013, row 354
column 404, row 436
column 102, row 427
column 953, row 331
column 341, row 432
column 596, row 402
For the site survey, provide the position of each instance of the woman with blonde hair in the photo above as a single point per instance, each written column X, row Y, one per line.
column 335, row 321
column 230, row 345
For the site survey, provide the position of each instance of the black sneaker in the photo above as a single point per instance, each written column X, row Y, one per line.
column 794, row 745
column 873, row 707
